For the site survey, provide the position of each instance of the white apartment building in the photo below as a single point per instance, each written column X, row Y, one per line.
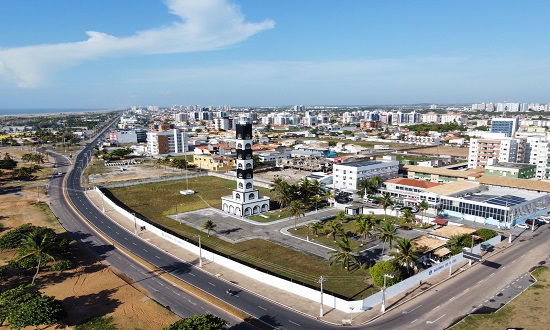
column 451, row 117
column 536, row 153
column 346, row 176
column 505, row 150
column 171, row 142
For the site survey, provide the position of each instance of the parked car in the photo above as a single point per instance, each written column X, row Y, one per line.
column 530, row 222
column 545, row 220
column 522, row 225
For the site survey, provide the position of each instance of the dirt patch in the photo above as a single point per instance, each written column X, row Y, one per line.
column 442, row 150
column 92, row 288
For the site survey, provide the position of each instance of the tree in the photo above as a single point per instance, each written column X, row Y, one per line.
column 284, row 192
column 202, row 321
column 407, row 215
column 329, row 195
column 12, row 239
column 385, row 267
column 423, row 206
column 208, row 226
column 40, row 245
column 316, row 226
column 386, row 201
column 341, row 216
column 406, row 254
column 334, row 228
column 439, row 210
column 364, row 226
column 344, row 254
column 7, row 163
column 485, row 233
column 386, row 232
column 457, row 242
column 23, row 306
column 297, row 209
column 316, row 199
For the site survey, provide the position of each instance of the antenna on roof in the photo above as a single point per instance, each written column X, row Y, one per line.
column 505, row 106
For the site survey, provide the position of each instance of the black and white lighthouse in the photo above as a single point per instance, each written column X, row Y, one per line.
column 245, row 200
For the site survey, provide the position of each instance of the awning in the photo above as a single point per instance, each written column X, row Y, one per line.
column 442, row 252
column 440, row 222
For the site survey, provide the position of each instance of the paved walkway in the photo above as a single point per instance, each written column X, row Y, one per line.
column 288, row 299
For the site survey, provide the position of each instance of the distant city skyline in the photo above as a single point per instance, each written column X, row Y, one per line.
column 104, row 55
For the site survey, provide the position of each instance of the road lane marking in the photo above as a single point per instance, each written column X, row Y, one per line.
column 466, row 290
column 407, row 312
column 414, row 320
column 294, row 323
column 439, row 318
column 191, row 274
column 437, row 307
column 492, row 274
column 134, row 243
column 126, row 238
column 262, row 308
column 176, row 293
column 212, row 284
column 192, row 303
column 145, row 250
column 157, row 257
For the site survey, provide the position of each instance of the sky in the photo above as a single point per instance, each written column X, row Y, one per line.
column 116, row 54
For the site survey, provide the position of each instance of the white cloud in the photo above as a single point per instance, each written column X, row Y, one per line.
column 202, row 26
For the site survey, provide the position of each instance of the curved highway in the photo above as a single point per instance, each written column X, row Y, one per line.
column 438, row 307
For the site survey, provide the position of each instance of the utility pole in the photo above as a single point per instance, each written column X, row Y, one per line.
column 321, row 280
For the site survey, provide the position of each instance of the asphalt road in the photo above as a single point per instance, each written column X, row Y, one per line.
column 435, row 309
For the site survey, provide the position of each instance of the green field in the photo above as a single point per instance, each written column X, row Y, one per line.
column 158, row 200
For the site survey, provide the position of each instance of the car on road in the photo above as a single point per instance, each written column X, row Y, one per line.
column 522, row 225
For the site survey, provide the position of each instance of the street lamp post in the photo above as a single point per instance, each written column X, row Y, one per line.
column 321, row 280
column 383, row 309
column 38, row 194
column 135, row 224
column 200, row 251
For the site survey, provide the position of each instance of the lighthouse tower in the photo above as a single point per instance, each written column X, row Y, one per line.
column 245, row 200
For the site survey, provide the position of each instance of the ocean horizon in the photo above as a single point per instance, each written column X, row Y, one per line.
column 50, row 111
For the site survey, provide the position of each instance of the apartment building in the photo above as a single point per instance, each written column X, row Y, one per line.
column 504, row 150
column 171, row 142
column 347, row 175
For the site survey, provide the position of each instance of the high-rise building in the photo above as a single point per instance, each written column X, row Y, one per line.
column 172, row 142
column 245, row 200
column 505, row 150
column 508, row 126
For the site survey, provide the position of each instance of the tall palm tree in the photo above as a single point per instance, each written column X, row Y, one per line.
column 316, row 226
column 283, row 192
column 208, row 226
column 386, row 232
column 316, row 199
column 297, row 209
column 407, row 215
column 386, row 201
column 423, row 206
column 406, row 254
column 344, row 254
column 334, row 228
column 38, row 244
column 363, row 226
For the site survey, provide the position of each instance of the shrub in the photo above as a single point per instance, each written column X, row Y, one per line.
column 62, row 265
column 485, row 233
column 385, row 267
column 97, row 323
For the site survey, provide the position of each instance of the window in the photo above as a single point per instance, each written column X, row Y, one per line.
column 251, row 196
column 240, row 185
column 248, row 166
column 240, row 166
column 239, row 146
column 248, row 185
column 238, row 196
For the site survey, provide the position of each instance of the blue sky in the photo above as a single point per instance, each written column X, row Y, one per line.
column 114, row 54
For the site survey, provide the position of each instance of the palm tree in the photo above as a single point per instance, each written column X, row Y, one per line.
column 341, row 216
column 38, row 244
column 316, row 199
column 386, row 201
column 329, row 195
column 407, row 215
column 386, row 232
column 344, row 254
column 363, row 226
column 406, row 254
column 439, row 209
column 283, row 192
column 334, row 228
column 316, row 226
column 423, row 206
column 208, row 226
column 297, row 209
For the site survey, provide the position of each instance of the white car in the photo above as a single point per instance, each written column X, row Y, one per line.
column 522, row 225
column 543, row 219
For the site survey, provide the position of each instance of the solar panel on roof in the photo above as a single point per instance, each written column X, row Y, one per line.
column 506, row 200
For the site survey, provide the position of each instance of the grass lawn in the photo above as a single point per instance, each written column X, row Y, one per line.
column 528, row 311
column 161, row 199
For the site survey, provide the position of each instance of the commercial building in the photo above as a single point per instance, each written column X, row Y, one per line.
column 406, row 189
column 245, row 200
column 508, row 126
column 485, row 204
column 348, row 175
column 213, row 162
column 513, row 170
column 441, row 175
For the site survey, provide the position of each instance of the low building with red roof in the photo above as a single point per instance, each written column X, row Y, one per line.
column 406, row 189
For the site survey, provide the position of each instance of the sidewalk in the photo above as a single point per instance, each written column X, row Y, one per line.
column 285, row 298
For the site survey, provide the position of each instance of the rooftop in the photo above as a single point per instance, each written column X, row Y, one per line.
column 510, row 166
column 412, row 183
column 531, row 185
column 428, row 243
column 445, row 172
column 453, row 187
column 451, row 230
column 368, row 163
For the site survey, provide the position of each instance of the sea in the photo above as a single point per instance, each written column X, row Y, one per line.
column 37, row 112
